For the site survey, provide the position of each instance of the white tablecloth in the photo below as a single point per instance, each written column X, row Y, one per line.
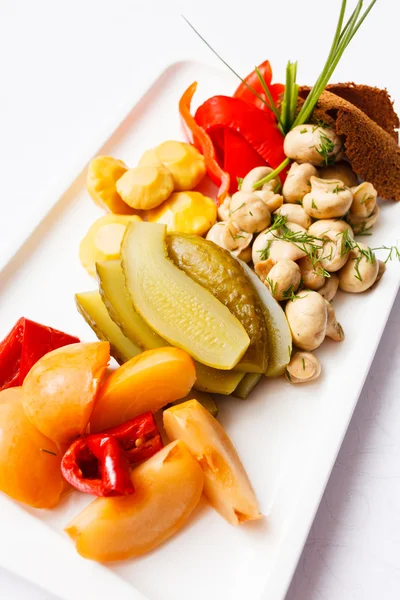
column 70, row 71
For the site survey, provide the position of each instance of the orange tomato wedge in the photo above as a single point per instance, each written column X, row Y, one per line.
column 148, row 381
column 226, row 485
column 60, row 389
column 168, row 487
column 29, row 462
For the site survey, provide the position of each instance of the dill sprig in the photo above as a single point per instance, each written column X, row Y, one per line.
column 325, row 148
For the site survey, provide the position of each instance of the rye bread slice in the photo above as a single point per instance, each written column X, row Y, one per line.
column 370, row 138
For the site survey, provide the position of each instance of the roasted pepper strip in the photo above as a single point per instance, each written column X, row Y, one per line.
column 223, row 112
column 204, row 144
column 99, row 464
column 26, row 343
column 252, row 80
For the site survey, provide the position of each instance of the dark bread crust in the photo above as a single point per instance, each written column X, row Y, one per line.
column 369, row 137
column 374, row 102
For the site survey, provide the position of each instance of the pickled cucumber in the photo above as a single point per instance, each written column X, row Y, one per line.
column 215, row 269
column 120, row 308
column 279, row 335
column 215, row 381
column 247, row 385
column 180, row 310
column 92, row 309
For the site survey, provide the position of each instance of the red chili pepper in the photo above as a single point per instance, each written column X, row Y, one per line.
column 254, row 126
column 26, row 343
column 252, row 80
column 98, row 464
column 204, row 144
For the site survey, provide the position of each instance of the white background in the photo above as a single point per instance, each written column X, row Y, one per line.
column 70, row 71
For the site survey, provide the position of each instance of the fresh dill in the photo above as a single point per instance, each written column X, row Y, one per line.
column 325, row 149
column 272, row 285
column 338, row 189
column 250, row 213
column 239, row 182
column 304, row 130
column 48, row 451
column 287, row 375
column 290, row 294
column 238, row 208
column 304, row 364
column 313, row 205
column 264, row 254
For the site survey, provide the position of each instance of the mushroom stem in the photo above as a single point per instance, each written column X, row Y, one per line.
column 303, row 367
column 334, row 330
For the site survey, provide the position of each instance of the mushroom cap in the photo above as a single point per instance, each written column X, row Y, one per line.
column 303, row 367
column 218, row 234
column 295, row 213
column 364, row 200
column 312, row 279
column 328, row 198
column 323, row 228
column 307, row 316
column 330, row 287
column 214, row 234
column 263, row 267
column 297, row 183
column 313, row 144
column 272, row 201
column 342, row 171
column 224, row 209
column 258, row 173
column 270, row 243
column 360, row 224
column 283, row 279
column 360, row 271
column 249, row 212
column 235, row 239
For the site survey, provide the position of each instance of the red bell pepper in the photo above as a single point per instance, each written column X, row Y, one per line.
column 255, row 127
column 26, row 343
column 239, row 157
column 99, row 464
column 245, row 93
column 204, row 144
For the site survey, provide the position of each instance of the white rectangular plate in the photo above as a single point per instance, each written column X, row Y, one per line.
column 287, row 436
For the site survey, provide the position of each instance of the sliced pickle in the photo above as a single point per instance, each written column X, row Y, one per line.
column 204, row 399
column 279, row 335
column 180, row 310
column 94, row 312
column 215, row 381
column 219, row 272
column 120, row 308
column 122, row 312
column 247, row 385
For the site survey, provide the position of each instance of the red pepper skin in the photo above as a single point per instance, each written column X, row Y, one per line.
column 204, row 144
column 239, row 157
column 80, row 468
column 252, row 79
column 99, row 464
column 26, row 343
column 141, row 428
column 114, row 465
column 252, row 123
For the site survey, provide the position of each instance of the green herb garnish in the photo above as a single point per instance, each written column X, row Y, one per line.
column 48, row 451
